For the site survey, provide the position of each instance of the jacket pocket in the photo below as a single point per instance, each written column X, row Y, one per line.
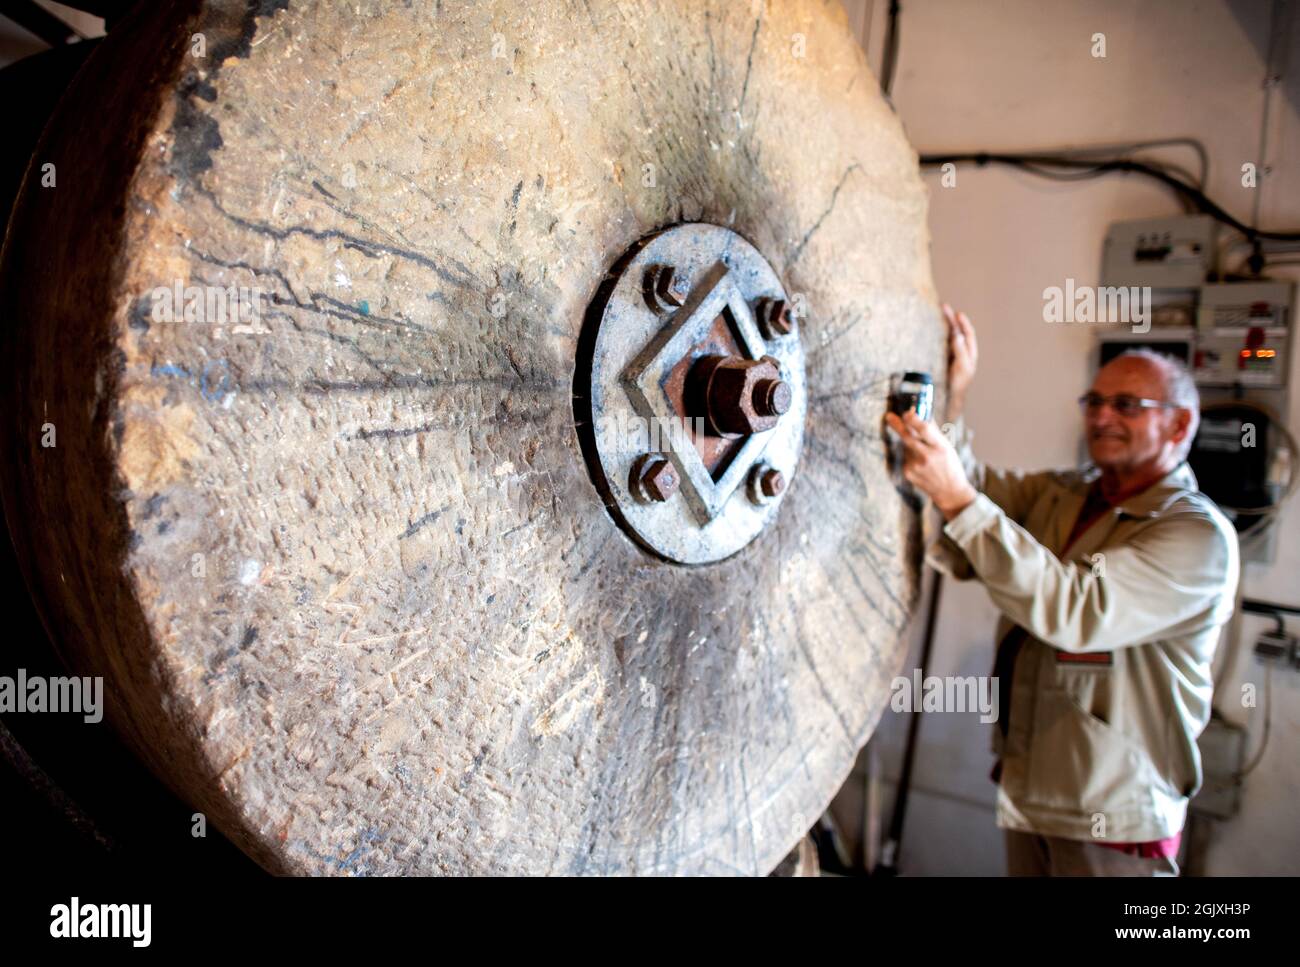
column 1077, row 762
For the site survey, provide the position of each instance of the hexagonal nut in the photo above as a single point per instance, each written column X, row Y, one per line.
column 654, row 478
column 776, row 317
column 663, row 288
column 765, row 483
column 772, row 483
column 747, row 396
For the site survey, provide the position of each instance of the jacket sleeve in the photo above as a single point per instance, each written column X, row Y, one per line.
column 1176, row 575
column 1014, row 491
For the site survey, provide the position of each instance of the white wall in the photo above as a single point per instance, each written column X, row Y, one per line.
column 1016, row 75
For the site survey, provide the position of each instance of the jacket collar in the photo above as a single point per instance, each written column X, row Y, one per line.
column 1155, row 498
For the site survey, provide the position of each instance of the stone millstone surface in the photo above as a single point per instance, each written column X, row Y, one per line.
column 351, row 588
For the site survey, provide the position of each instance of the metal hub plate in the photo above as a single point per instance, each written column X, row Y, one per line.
column 644, row 330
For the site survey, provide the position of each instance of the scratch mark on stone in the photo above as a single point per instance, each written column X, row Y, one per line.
column 749, row 61
column 428, row 518
column 798, row 249
column 564, row 711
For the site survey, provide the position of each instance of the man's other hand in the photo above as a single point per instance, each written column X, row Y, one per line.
column 963, row 354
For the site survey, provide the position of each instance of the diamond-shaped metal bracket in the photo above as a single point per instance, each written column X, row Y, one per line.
column 715, row 294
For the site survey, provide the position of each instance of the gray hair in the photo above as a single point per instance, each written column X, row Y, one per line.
column 1179, row 389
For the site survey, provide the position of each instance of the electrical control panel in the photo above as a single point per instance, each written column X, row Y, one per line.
column 1163, row 253
column 1243, row 335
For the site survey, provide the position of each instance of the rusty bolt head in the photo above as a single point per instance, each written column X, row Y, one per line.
column 772, row 397
column 772, row 483
column 655, row 478
column 766, row 483
column 776, row 317
column 664, row 289
column 744, row 396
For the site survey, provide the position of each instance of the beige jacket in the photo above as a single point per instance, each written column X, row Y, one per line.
column 1102, row 745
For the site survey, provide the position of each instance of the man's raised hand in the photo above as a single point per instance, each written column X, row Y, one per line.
column 963, row 354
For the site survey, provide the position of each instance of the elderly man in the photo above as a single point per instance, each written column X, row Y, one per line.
column 1113, row 582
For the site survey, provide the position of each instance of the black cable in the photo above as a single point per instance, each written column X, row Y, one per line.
column 1124, row 149
column 890, row 57
column 1270, row 608
column 1256, row 258
column 1035, row 164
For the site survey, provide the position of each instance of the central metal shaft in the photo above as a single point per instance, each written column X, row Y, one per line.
column 738, row 396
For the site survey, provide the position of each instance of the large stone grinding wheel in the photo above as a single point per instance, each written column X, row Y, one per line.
column 346, row 572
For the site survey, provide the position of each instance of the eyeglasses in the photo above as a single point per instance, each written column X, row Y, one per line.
column 1123, row 403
